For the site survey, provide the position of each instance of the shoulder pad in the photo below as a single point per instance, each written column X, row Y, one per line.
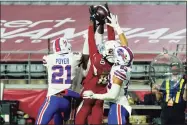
column 120, row 71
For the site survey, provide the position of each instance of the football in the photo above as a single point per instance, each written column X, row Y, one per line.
column 101, row 12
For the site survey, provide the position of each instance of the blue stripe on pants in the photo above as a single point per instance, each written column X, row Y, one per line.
column 117, row 114
column 51, row 106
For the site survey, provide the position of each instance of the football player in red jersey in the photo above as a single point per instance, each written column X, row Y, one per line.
column 99, row 69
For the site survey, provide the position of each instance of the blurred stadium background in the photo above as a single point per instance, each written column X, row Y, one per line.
column 28, row 26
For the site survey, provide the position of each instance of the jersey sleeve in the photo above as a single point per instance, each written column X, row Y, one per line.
column 111, row 33
column 91, row 40
column 121, row 73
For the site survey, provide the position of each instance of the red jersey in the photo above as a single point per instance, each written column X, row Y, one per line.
column 96, row 78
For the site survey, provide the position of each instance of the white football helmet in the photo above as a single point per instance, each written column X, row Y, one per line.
column 109, row 47
column 123, row 55
column 61, row 45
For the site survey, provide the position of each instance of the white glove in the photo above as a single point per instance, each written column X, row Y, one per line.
column 114, row 23
column 88, row 94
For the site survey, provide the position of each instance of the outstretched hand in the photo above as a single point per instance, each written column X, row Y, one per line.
column 114, row 21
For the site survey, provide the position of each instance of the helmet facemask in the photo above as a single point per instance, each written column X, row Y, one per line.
column 109, row 55
column 108, row 52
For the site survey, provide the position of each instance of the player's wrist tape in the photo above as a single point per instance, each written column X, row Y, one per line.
column 92, row 17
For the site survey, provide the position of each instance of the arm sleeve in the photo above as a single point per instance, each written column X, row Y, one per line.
column 99, row 41
column 111, row 33
column 120, row 74
column 98, row 38
column 91, row 40
column 110, row 95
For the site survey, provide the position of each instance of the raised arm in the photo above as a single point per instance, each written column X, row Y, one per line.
column 99, row 34
column 89, row 47
column 91, row 40
column 114, row 23
column 110, row 32
column 99, row 38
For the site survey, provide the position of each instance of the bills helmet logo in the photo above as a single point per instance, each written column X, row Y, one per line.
column 121, row 53
column 65, row 42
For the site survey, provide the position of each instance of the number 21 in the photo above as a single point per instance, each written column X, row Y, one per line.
column 60, row 73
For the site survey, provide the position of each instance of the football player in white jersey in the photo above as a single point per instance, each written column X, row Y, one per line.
column 62, row 66
column 118, row 81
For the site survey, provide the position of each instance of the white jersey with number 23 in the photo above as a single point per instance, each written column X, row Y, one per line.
column 123, row 73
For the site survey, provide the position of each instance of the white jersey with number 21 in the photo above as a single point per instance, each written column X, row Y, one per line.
column 62, row 69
